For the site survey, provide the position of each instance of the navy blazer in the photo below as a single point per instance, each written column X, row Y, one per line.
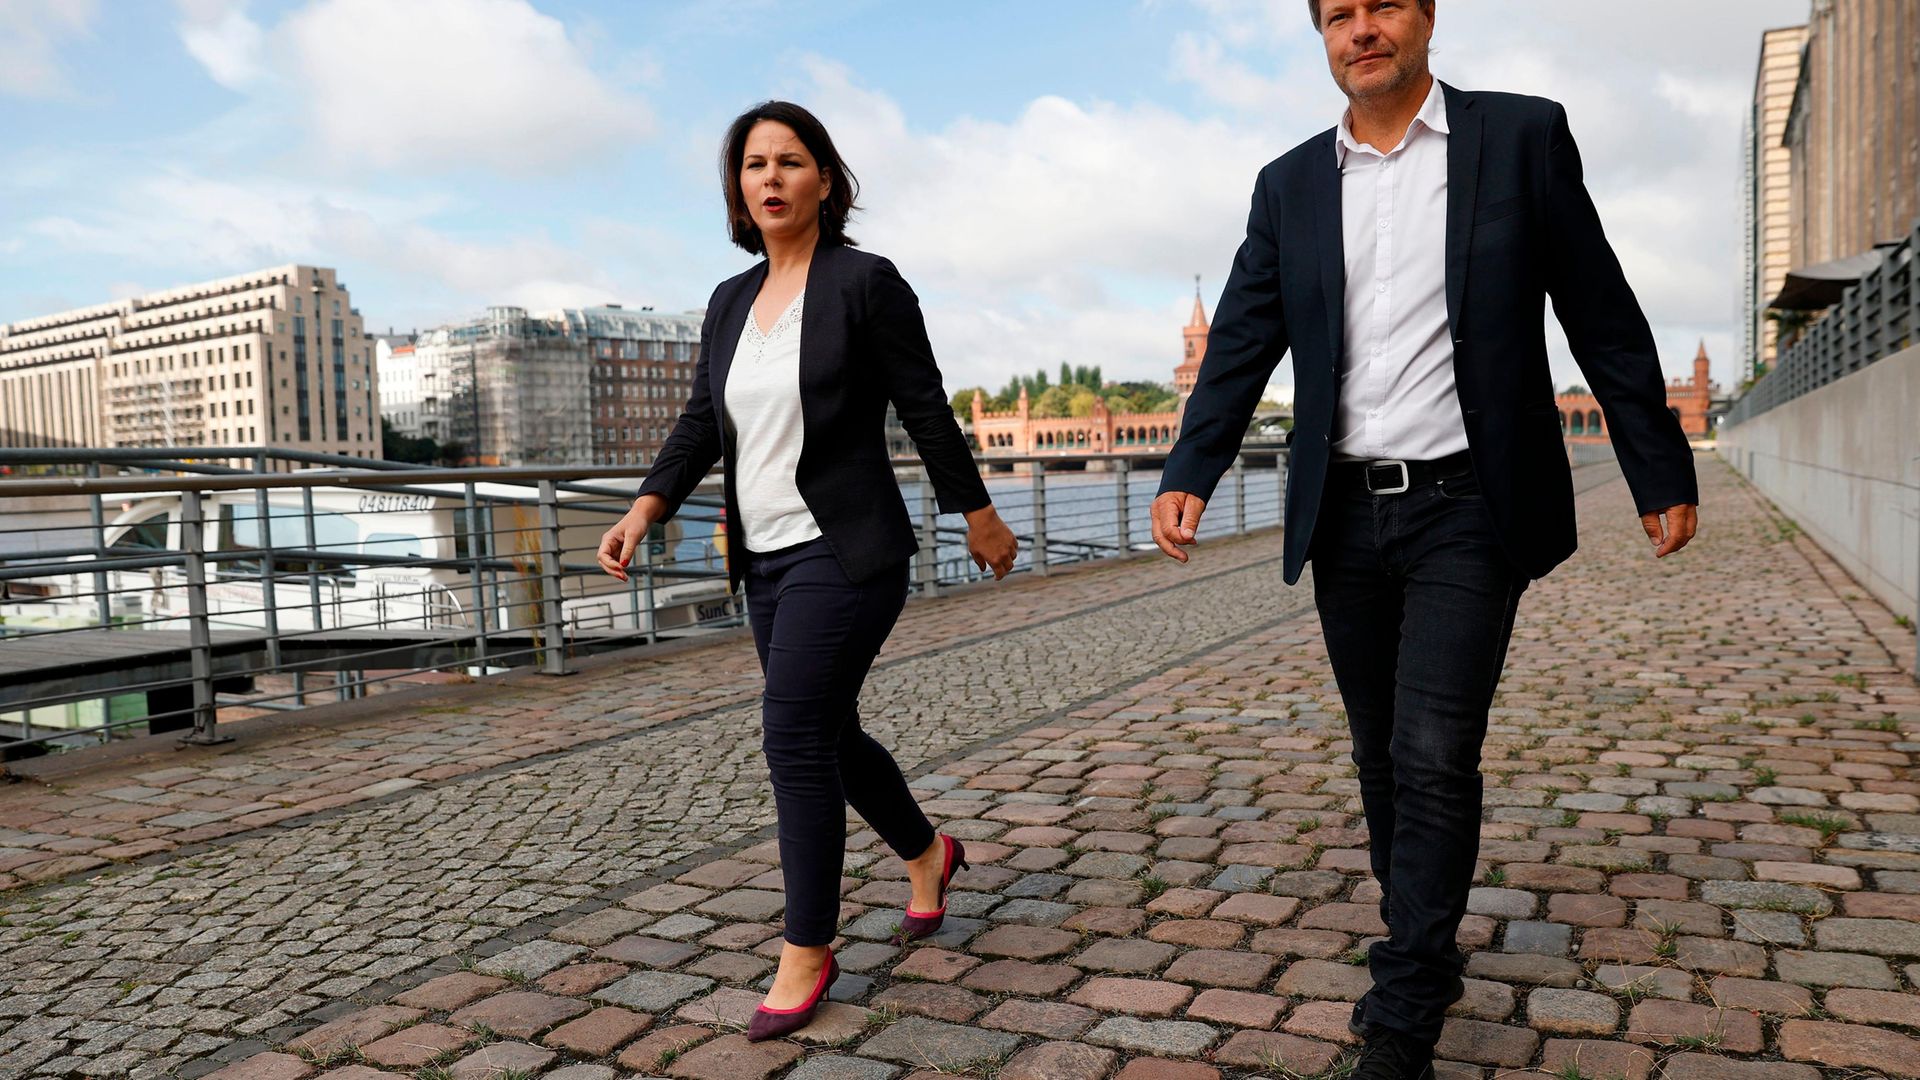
column 1520, row 229
column 863, row 344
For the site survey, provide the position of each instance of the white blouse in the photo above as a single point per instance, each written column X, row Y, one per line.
column 763, row 401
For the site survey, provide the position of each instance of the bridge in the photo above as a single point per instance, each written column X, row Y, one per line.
column 1700, row 856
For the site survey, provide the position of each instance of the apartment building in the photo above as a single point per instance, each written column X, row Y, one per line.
column 275, row 358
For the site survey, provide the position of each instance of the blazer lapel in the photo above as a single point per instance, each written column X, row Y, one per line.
column 821, row 308
column 1463, row 182
column 1331, row 244
column 729, row 324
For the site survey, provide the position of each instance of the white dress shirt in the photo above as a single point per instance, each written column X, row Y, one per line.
column 763, row 401
column 1397, row 396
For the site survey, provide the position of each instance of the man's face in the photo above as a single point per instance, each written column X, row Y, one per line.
column 1375, row 47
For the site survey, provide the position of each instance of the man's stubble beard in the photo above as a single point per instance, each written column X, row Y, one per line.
column 1404, row 75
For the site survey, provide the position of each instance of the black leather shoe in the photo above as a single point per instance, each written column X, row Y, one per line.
column 1357, row 1023
column 1390, row 1055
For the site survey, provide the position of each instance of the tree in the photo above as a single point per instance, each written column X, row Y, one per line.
column 1081, row 404
column 1789, row 324
column 1066, row 375
column 963, row 401
column 1053, row 402
column 395, row 446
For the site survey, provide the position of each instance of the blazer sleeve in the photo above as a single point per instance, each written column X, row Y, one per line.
column 1248, row 339
column 897, row 334
column 694, row 443
column 1609, row 335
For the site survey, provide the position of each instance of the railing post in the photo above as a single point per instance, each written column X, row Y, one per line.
column 553, row 654
column 1239, row 494
column 313, row 585
column 1039, row 556
column 1123, row 534
column 268, row 600
column 647, row 584
column 475, row 561
column 199, row 633
column 96, row 514
column 928, row 558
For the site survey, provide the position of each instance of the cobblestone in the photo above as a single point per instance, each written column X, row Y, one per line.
column 1170, row 875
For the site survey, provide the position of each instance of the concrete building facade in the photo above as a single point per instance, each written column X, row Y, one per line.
column 508, row 388
column 276, row 358
column 1767, row 193
column 642, row 365
column 600, row 385
column 1853, row 129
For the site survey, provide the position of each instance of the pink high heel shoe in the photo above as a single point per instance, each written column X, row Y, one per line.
column 913, row 925
column 780, row 1023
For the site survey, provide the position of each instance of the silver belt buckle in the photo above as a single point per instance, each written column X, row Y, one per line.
column 1405, row 482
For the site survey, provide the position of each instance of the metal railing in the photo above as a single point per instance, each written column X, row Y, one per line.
column 1874, row 319
column 174, row 591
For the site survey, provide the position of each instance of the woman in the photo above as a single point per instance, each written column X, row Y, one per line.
column 799, row 357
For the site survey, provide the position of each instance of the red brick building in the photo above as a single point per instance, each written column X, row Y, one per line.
column 1017, row 431
column 1690, row 401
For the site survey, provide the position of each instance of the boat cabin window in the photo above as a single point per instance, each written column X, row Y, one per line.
column 392, row 545
column 148, row 535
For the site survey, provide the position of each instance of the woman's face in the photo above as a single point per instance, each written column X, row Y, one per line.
column 782, row 184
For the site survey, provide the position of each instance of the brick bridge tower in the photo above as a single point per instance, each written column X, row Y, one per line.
column 1188, row 373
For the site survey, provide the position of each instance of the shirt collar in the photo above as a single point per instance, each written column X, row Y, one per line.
column 1432, row 116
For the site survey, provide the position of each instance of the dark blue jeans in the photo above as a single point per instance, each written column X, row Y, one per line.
column 1416, row 600
column 817, row 634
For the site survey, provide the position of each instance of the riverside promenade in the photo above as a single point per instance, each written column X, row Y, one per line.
column 1700, row 856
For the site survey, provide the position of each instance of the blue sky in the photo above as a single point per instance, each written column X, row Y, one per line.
column 1049, row 175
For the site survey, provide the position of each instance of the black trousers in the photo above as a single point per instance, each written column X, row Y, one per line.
column 817, row 634
column 1416, row 600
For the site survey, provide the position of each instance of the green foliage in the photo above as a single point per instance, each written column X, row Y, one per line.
column 1080, row 385
column 1054, row 402
column 397, row 447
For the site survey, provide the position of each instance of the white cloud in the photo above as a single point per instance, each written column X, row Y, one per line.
column 187, row 223
column 227, row 43
column 1068, row 232
column 440, row 83
column 31, row 33
column 1657, row 121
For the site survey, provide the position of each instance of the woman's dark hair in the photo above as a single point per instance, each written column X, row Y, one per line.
column 841, row 193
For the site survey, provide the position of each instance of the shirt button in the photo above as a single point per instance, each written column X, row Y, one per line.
column 1383, row 223
column 1382, row 287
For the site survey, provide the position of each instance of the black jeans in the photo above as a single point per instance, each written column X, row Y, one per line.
column 1416, row 600
column 817, row 634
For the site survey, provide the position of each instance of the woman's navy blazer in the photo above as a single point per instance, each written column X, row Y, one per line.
column 863, row 343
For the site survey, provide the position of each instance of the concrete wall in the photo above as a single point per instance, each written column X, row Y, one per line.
column 1840, row 462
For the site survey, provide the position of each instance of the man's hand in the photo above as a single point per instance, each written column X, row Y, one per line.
column 992, row 545
column 1670, row 529
column 1176, row 522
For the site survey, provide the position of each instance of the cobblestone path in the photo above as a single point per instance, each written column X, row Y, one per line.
column 1701, row 854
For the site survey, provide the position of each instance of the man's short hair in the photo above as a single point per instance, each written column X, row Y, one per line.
column 1313, row 10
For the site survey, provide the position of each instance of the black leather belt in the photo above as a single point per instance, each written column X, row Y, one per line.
column 1391, row 476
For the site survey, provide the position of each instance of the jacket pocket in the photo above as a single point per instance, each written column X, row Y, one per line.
column 1500, row 210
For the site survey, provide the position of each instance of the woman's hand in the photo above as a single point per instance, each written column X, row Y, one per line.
column 619, row 543
column 990, row 542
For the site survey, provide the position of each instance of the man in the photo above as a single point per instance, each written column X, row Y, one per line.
column 1405, row 257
